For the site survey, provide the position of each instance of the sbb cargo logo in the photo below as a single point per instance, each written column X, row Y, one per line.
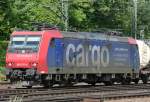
column 82, row 56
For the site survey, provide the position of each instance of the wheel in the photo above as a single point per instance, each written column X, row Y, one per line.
column 123, row 82
column 93, row 84
column 29, row 87
column 144, row 79
column 108, row 83
column 47, row 84
column 67, row 83
column 126, row 81
column 136, row 81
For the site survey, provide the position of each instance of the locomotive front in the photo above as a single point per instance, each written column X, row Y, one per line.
column 22, row 56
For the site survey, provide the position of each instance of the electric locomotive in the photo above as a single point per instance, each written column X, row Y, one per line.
column 51, row 57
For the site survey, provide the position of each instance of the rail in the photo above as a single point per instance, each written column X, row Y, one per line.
column 74, row 93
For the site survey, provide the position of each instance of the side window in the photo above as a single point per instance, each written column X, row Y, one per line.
column 52, row 43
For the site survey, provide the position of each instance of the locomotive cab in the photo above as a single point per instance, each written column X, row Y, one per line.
column 25, row 57
column 22, row 57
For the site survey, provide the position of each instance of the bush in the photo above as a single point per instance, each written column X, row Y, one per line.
column 3, row 48
column 2, row 74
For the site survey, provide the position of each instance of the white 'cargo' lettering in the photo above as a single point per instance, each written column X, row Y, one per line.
column 104, row 56
column 70, row 56
column 93, row 56
column 80, row 60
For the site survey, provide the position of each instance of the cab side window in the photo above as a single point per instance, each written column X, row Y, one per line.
column 52, row 43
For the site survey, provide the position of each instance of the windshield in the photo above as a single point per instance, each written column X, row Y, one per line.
column 24, row 44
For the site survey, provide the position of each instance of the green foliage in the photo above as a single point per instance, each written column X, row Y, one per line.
column 2, row 69
column 144, row 18
column 84, row 15
column 112, row 14
column 3, row 47
column 4, row 24
column 2, row 74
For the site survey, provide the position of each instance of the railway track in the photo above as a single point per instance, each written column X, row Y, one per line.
column 74, row 93
column 81, row 96
column 5, row 85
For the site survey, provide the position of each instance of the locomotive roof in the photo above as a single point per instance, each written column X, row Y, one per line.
column 98, row 36
column 78, row 35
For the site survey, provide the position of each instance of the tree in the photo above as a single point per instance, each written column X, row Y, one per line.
column 112, row 14
column 84, row 15
column 4, row 14
column 143, row 17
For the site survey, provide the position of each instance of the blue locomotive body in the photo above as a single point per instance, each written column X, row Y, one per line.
column 93, row 58
column 92, row 55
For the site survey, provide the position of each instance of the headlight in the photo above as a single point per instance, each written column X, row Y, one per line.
column 34, row 64
column 9, row 64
